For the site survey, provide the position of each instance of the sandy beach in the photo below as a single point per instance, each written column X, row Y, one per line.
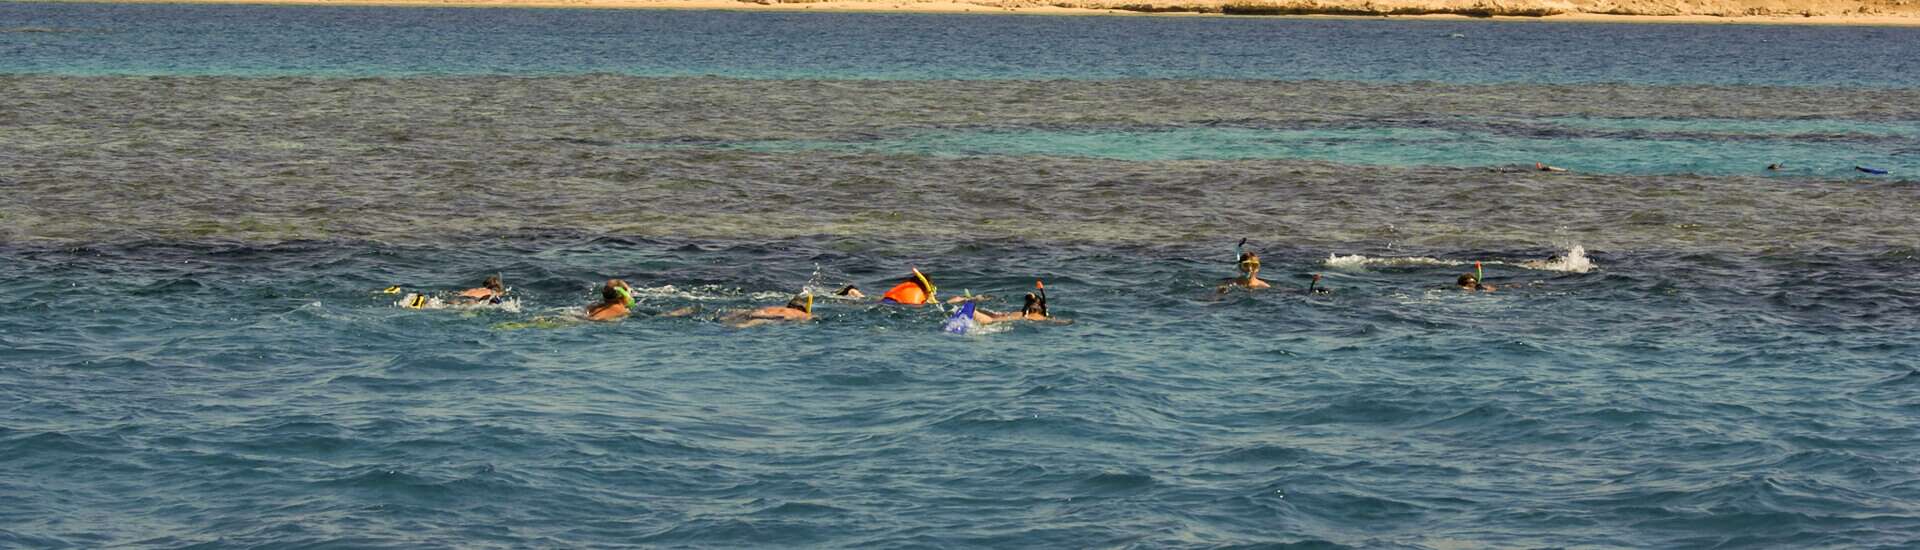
column 1744, row 12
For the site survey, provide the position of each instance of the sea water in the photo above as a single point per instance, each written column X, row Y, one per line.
column 202, row 209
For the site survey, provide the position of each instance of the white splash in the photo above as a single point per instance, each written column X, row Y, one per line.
column 698, row 293
column 1357, row 261
column 510, row 305
column 1573, row 261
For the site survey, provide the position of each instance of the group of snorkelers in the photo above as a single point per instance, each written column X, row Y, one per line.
column 617, row 302
column 916, row 289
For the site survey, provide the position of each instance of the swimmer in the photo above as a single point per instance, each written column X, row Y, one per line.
column 1313, row 287
column 1249, row 274
column 1543, row 167
column 850, row 292
column 616, row 301
column 799, row 309
column 489, row 291
column 1775, row 167
column 1035, row 309
column 915, row 290
column 1470, row 283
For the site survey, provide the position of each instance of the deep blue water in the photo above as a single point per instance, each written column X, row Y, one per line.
column 199, row 216
column 359, row 41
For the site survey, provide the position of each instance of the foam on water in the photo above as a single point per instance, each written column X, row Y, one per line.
column 510, row 305
column 1357, row 261
column 1573, row 260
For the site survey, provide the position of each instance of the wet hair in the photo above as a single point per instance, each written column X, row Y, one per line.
column 1249, row 261
column 1468, row 280
column 493, row 282
column 846, row 290
column 799, row 303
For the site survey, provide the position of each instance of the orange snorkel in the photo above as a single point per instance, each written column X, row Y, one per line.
column 1042, row 289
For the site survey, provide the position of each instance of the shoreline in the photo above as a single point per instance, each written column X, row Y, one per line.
column 951, row 7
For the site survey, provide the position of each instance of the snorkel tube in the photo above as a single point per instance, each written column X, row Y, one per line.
column 626, row 296
column 1042, row 289
column 1248, row 262
column 926, row 284
column 1479, row 276
column 803, row 302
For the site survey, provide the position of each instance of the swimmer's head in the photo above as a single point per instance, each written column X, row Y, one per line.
column 493, row 283
column 616, row 291
column 849, row 291
column 802, row 303
column 1467, row 281
column 1032, row 305
column 1249, row 263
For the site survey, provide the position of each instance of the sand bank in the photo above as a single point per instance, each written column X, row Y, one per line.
column 1775, row 12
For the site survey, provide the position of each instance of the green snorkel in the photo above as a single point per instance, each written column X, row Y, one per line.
column 625, row 295
column 1479, row 276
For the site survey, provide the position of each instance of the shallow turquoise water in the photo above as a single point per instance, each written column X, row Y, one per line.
column 1686, row 351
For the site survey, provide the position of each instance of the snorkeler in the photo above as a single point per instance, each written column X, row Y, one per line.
column 850, row 292
column 799, row 309
column 1544, row 167
column 616, row 301
column 1313, row 287
column 1035, row 309
column 1249, row 273
column 915, row 290
column 1469, row 282
column 489, row 291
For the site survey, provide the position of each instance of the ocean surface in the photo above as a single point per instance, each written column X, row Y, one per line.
column 201, row 209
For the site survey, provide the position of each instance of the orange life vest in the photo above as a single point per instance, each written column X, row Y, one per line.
column 908, row 293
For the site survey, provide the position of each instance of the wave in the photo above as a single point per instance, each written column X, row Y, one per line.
column 509, row 305
column 1358, row 261
column 1574, row 260
column 706, row 293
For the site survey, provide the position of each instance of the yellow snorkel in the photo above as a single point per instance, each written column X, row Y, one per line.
column 925, row 283
column 804, row 305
